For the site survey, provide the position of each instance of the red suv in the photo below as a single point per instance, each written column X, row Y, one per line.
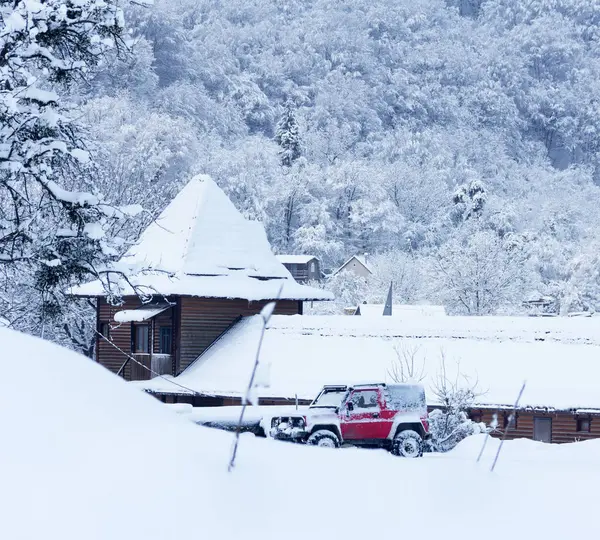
column 371, row 415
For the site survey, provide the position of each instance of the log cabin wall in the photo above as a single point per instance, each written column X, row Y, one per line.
column 564, row 427
column 203, row 320
column 120, row 334
column 109, row 355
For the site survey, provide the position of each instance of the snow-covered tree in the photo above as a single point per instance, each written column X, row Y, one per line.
column 287, row 136
column 45, row 220
column 469, row 200
column 480, row 273
column 450, row 423
column 56, row 228
column 399, row 145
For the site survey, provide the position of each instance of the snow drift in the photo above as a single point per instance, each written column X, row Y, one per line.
column 84, row 455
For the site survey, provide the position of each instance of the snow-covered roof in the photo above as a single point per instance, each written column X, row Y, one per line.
column 202, row 233
column 201, row 245
column 360, row 258
column 295, row 259
column 139, row 314
column 559, row 358
column 402, row 310
column 231, row 286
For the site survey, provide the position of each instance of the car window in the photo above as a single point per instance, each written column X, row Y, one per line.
column 365, row 399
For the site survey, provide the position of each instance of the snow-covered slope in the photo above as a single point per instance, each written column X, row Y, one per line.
column 85, row 456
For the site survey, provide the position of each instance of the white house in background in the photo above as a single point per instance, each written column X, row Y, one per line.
column 404, row 311
column 302, row 267
column 356, row 264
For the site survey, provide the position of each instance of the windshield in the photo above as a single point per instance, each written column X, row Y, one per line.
column 329, row 398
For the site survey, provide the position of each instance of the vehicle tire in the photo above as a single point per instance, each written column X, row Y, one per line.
column 324, row 438
column 408, row 443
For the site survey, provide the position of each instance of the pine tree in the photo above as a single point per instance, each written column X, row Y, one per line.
column 287, row 137
column 48, row 227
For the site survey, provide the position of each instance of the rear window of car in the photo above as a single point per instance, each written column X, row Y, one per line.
column 405, row 397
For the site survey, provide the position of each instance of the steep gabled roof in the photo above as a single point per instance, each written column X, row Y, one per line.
column 201, row 245
column 361, row 259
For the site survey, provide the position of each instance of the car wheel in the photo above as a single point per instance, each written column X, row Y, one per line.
column 324, row 438
column 408, row 443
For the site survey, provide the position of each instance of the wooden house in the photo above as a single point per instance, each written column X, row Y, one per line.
column 195, row 271
column 302, row 267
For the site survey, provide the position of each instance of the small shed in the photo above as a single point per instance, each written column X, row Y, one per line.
column 539, row 305
column 302, row 267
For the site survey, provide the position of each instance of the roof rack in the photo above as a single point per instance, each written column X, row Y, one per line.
column 368, row 384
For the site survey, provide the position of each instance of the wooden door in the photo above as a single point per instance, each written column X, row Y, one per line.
column 542, row 429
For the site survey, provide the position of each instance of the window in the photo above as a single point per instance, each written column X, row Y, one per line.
column 140, row 338
column 510, row 420
column 365, row 399
column 165, row 336
column 542, row 429
column 313, row 267
column 584, row 424
column 105, row 330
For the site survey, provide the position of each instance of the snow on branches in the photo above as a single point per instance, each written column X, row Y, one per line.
column 45, row 221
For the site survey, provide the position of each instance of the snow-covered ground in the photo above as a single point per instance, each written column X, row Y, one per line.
column 301, row 353
column 84, row 455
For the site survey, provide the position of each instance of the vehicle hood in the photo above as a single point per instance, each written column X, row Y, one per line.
column 319, row 414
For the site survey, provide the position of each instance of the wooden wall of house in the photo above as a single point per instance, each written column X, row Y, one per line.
column 564, row 424
column 109, row 354
column 302, row 272
column 203, row 320
column 120, row 335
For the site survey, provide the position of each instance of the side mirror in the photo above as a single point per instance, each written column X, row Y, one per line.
column 350, row 406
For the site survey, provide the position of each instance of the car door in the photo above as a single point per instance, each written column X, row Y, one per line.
column 362, row 419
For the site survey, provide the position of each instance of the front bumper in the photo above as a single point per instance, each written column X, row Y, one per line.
column 288, row 429
column 293, row 435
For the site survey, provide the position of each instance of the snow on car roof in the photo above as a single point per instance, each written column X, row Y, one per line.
column 559, row 358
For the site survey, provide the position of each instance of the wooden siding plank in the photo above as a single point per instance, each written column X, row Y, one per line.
column 203, row 320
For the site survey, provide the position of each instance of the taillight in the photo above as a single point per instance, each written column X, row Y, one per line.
column 425, row 423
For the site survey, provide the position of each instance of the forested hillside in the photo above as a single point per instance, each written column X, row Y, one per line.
column 456, row 142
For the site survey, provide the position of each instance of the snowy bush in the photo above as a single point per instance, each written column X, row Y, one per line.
column 450, row 426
